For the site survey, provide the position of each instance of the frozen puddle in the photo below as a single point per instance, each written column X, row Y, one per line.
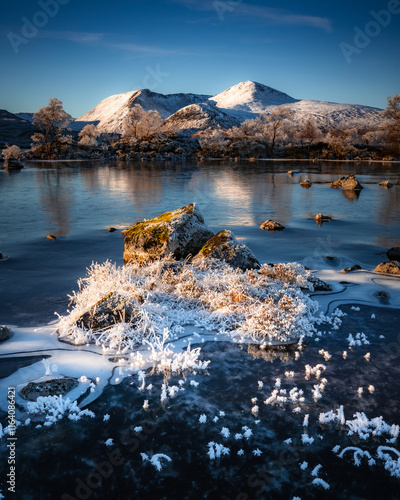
column 235, row 420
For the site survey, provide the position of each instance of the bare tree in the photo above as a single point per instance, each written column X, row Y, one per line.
column 88, row 135
column 274, row 122
column 308, row 132
column 11, row 152
column 391, row 128
column 51, row 121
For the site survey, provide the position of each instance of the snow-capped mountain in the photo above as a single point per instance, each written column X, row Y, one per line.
column 229, row 108
column 110, row 113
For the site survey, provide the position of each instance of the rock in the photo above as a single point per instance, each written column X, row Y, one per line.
column 347, row 183
column 322, row 218
column 51, row 237
column 271, row 225
column 1, row 255
column 391, row 267
column 224, row 246
column 111, row 229
column 319, row 285
column 382, row 296
column 53, row 387
column 5, row 333
column 306, row 184
column 351, row 269
column 292, row 172
column 181, row 232
column 112, row 309
column 124, row 231
column 394, row 254
column 386, row 184
column 12, row 164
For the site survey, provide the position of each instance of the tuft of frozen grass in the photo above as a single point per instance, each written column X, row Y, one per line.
column 320, row 482
column 257, row 452
column 304, row 466
column 145, row 404
column 54, row 408
column 316, row 470
column 109, row 442
column 317, row 370
column 225, row 432
column 203, row 419
column 306, row 439
column 216, row 450
column 155, row 460
column 266, row 304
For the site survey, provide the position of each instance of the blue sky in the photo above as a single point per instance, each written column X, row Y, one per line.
column 89, row 50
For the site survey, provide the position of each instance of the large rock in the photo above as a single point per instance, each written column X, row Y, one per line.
column 55, row 387
column 394, row 254
column 112, row 309
column 224, row 246
column 306, row 183
column 391, row 267
column 181, row 233
column 5, row 333
column 347, row 183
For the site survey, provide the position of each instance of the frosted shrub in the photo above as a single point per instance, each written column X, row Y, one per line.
column 266, row 305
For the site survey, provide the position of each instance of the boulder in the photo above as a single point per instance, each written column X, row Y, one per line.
column 386, row 184
column 347, row 183
column 391, row 267
column 224, row 246
column 5, row 333
column 113, row 308
column 53, row 387
column 356, row 267
column 271, row 225
column 306, row 183
column 111, row 229
column 394, row 254
column 12, row 164
column 181, row 233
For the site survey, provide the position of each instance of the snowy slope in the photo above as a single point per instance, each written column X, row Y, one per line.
column 251, row 97
column 111, row 112
column 200, row 117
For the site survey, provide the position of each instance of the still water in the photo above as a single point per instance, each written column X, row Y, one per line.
column 78, row 201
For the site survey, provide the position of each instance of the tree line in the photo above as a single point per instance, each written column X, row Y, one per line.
column 275, row 134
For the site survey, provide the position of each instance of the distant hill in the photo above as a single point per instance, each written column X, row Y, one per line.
column 15, row 130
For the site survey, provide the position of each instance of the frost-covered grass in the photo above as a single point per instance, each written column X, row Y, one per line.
column 54, row 408
column 267, row 305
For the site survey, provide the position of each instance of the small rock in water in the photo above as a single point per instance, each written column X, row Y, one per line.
column 393, row 253
column 5, row 333
column 322, row 218
column 292, row 172
column 347, row 183
column 391, row 267
column 51, row 237
column 271, row 225
column 356, row 267
column 53, row 387
column 386, row 184
column 1, row 255
column 111, row 229
column 306, row 184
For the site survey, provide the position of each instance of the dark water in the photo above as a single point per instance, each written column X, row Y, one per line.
column 77, row 202
column 72, row 459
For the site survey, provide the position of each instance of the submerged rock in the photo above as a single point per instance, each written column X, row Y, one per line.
column 181, row 233
column 356, row 267
column 386, row 184
column 224, row 246
column 391, row 267
column 271, row 225
column 394, row 253
column 112, row 309
column 347, row 183
column 5, row 333
column 12, row 164
column 54, row 387
column 318, row 284
column 306, row 183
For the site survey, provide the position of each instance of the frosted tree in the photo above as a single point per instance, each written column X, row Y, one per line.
column 88, row 136
column 391, row 128
column 308, row 133
column 11, row 152
column 140, row 125
column 273, row 124
column 51, row 121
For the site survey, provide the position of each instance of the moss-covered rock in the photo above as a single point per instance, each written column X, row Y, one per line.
column 181, row 233
column 224, row 246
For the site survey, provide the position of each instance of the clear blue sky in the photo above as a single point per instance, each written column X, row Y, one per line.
column 91, row 49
